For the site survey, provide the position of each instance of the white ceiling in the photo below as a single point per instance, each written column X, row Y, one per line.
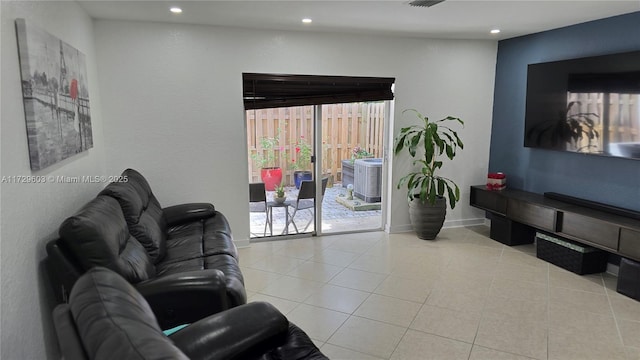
column 452, row 19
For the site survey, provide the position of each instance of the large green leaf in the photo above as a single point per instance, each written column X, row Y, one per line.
column 452, row 198
column 428, row 147
column 441, row 185
column 424, row 189
column 432, row 191
column 450, row 152
column 415, row 140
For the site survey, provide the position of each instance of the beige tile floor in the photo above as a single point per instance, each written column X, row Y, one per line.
column 463, row 296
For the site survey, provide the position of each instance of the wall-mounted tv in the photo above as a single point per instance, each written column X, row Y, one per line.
column 587, row 105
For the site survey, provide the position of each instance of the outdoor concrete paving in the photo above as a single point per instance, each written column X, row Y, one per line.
column 335, row 216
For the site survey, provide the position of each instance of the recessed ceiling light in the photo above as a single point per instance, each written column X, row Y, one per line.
column 495, row 31
column 425, row 3
column 307, row 21
column 175, row 10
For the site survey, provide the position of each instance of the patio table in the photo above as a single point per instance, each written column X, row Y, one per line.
column 285, row 205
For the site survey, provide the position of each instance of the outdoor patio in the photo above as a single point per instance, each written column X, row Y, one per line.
column 335, row 216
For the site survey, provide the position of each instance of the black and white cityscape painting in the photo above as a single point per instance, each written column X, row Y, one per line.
column 56, row 96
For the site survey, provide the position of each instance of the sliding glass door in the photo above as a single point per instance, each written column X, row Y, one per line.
column 351, row 147
column 306, row 135
column 342, row 143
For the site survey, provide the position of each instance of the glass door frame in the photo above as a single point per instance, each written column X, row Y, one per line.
column 386, row 174
column 317, row 169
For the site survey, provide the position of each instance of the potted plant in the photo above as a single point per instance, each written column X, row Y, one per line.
column 426, row 190
column 280, row 195
column 303, row 153
column 348, row 172
column 265, row 158
column 359, row 153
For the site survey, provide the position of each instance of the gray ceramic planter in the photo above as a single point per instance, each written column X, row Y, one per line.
column 427, row 219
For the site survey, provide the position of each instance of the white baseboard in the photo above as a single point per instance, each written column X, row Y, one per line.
column 465, row 222
column 447, row 224
column 242, row 243
column 399, row 229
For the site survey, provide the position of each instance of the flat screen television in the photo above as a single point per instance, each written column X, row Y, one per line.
column 588, row 105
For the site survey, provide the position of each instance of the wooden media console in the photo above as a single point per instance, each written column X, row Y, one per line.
column 516, row 215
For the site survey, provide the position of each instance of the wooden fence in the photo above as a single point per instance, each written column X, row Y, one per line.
column 623, row 124
column 344, row 127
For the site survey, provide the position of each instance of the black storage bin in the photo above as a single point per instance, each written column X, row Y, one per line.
column 629, row 278
column 575, row 257
column 510, row 232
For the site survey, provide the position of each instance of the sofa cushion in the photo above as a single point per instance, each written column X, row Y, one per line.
column 115, row 322
column 143, row 215
column 211, row 236
column 223, row 262
column 98, row 236
column 177, row 267
column 217, row 238
column 184, row 244
column 234, row 280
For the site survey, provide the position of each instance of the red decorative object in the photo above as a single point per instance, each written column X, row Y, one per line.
column 271, row 177
column 73, row 89
column 496, row 181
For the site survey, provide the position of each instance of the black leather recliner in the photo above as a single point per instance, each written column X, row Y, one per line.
column 182, row 258
column 106, row 318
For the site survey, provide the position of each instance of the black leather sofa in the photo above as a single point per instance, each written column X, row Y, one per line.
column 106, row 318
column 182, row 258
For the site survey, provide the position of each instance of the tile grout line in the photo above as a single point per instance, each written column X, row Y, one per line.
column 406, row 330
column 615, row 319
column 356, row 351
column 370, row 294
column 482, row 313
column 350, row 315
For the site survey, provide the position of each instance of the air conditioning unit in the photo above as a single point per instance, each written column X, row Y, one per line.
column 367, row 178
column 347, row 173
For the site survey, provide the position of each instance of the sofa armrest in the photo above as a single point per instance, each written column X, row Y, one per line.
column 186, row 297
column 63, row 269
column 178, row 214
column 245, row 331
column 67, row 333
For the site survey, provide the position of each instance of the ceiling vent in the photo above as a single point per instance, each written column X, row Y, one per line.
column 425, row 3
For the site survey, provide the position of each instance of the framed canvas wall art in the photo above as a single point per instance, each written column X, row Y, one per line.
column 55, row 94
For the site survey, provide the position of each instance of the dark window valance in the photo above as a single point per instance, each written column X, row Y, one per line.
column 275, row 90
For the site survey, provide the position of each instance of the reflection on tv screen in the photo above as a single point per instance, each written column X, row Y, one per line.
column 607, row 123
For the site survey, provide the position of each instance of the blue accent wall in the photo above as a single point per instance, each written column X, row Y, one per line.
column 609, row 180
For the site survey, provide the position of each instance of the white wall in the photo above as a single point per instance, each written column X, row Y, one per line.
column 31, row 213
column 172, row 97
column 171, row 101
